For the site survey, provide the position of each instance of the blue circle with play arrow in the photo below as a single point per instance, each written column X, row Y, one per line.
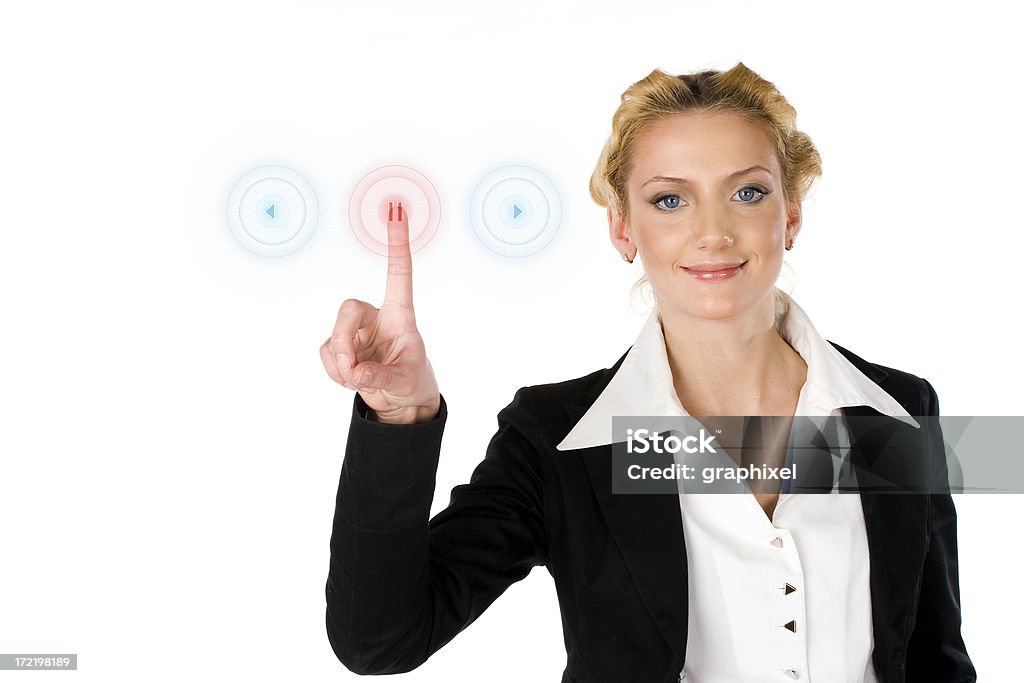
column 516, row 211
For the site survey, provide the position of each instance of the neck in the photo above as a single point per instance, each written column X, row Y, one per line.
column 738, row 366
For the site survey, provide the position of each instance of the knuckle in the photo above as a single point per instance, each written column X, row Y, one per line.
column 350, row 307
column 356, row 306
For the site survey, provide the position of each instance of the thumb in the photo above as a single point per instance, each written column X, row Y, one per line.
column 371, row 375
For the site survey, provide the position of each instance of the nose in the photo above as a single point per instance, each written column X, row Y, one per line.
column 712, row 231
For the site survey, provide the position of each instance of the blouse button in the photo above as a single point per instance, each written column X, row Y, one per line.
column 777, row 541
column 792, row 673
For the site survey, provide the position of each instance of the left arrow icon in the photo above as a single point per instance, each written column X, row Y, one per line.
column 270, row 210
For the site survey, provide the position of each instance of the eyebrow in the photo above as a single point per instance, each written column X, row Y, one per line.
column 670, row 179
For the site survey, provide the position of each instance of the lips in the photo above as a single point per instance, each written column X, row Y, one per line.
column 713, row 271
column 714, row 266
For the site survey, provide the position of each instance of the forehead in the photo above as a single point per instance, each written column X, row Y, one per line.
column 715, row 144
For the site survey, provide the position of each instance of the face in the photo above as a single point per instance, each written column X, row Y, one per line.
column 710, row 229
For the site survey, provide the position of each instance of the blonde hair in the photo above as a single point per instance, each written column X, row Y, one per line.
column 740, row 90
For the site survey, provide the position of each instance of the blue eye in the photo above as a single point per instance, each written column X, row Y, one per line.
column 658, row 200
column 754, row 194
column 751, row 194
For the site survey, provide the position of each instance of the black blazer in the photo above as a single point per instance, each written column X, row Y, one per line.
column 401, row 585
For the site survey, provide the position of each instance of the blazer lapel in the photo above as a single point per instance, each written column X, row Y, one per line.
column 896, row 525
column 648, row 529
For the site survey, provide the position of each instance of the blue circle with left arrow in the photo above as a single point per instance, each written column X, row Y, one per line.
column 273, row 211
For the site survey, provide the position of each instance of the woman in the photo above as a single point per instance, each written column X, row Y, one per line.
column 703, row 177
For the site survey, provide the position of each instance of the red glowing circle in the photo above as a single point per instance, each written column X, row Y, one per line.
column 368, row 207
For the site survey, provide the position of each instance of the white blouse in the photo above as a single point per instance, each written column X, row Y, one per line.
column 769, row 600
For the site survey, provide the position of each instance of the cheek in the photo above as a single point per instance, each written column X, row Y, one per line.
column 766, row 229
column 661, row 246
column 770, row 237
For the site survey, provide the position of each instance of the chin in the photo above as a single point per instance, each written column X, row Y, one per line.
column 710, row 310
column 713, row 307
column 722, row 311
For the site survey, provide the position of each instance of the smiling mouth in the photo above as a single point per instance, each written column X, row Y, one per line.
column 714, row 272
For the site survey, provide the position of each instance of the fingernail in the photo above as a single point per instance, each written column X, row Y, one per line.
column 367, row 376
column 391, row 211
column 399, row 210
column 342, row 360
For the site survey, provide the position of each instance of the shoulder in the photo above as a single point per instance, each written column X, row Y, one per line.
column 914, row 393
column 553, row 408
column 571, row 390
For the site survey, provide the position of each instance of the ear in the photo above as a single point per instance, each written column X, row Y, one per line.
column 618, row 230
column 794, row 219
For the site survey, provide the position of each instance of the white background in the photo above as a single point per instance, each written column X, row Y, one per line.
column 170, row 442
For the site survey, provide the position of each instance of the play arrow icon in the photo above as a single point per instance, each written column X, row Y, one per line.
column 516, row 211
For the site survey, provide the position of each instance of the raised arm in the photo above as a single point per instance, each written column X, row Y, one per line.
column 378, row 351
column 401, row 585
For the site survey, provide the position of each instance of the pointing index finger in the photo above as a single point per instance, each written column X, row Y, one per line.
column 399, row 285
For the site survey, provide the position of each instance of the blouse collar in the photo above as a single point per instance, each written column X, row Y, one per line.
column 643, row 383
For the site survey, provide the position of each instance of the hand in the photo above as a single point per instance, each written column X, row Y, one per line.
column 379, row 352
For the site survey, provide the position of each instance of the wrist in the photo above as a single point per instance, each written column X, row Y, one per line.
column 408, row 414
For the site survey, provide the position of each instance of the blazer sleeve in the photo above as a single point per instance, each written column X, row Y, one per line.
column 401, row 586
column 936, row 652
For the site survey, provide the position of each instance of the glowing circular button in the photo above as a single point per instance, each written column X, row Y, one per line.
column 516, row 211
column 272, row 211
column 368, row 206
column 266, row 211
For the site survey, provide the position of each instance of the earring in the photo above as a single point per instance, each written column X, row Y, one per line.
column 790, row 245
column 626, row 258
